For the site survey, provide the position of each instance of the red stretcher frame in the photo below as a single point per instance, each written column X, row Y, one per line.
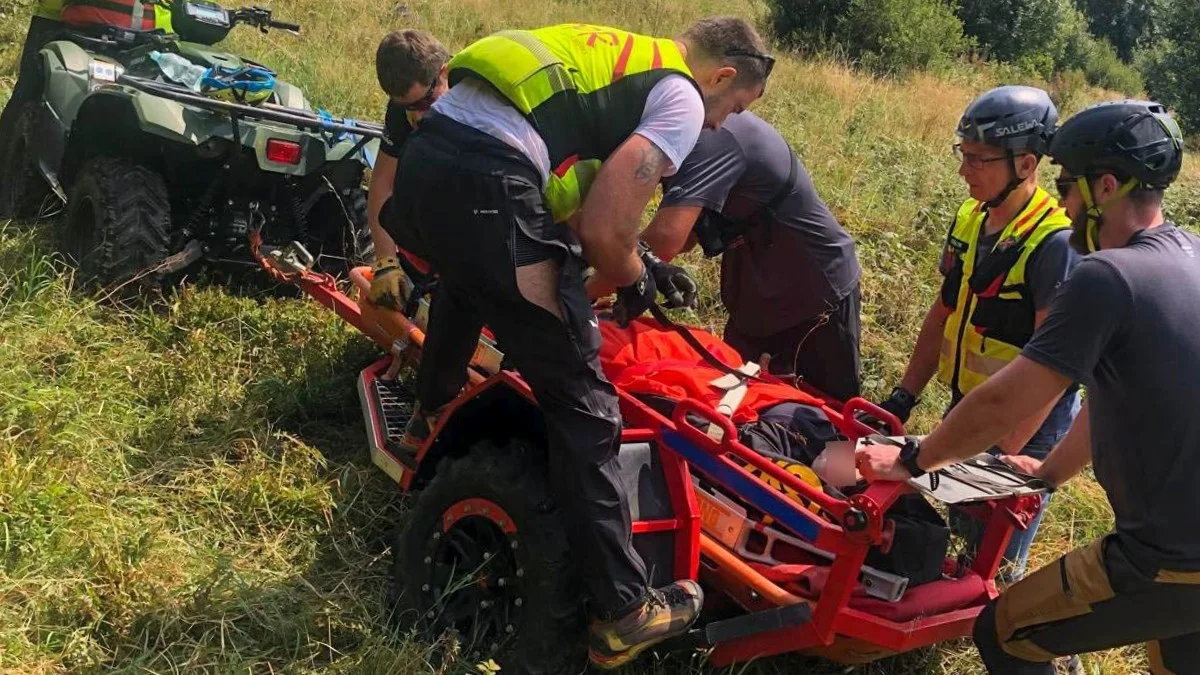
column 847, row 528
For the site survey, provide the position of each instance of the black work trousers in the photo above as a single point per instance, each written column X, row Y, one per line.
column 823, row 350
column 1091, row 599
column 476, row 204
column 28, row 85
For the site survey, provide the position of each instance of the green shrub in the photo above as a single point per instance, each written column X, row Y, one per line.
column 1105, row 69
column 884, row 35
column 806, row 25
column 1171, row 66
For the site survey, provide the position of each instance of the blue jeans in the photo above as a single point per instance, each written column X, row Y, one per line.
column 1016, row 556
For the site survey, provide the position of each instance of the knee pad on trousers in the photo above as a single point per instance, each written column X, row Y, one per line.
column 994, row 658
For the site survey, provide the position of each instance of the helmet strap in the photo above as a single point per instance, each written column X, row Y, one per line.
column 1095, row 211
column 1013, row 183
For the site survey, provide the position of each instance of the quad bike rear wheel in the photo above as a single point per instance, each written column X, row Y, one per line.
column 23, row 191
column 484, row 559
column 337, row 221
column 117, row 225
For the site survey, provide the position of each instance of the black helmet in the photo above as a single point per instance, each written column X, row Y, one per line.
column 1015, row 118
column 1135, row 138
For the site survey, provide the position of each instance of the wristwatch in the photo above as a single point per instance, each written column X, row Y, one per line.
column 908, row 457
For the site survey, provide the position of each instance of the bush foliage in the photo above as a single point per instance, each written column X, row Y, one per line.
column 884, row 35
column 1171, row 65
column 1040, row 37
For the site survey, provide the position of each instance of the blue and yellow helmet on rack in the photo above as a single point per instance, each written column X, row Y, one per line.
column 248, row 85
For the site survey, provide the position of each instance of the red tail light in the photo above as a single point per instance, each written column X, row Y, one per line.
column 283, row 152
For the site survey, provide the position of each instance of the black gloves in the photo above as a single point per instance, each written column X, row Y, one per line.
column 900, row 403
column 633, row 300
column 676, row 285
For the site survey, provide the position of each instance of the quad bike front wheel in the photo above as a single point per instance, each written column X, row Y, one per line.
column 23, row 191
column 117, row 223
column 483, row 559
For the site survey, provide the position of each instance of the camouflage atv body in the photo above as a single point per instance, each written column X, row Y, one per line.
column 157, row 178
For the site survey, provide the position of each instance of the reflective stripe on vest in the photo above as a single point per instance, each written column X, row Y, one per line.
column 128, row 14
column 582, row 87
column 970, row 353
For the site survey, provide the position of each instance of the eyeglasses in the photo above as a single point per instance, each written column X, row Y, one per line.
column 765, row 58
column 973, row 160
column 422, row 104
column 1064, row 185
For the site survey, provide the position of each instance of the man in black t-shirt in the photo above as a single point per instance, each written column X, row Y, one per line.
column 1127, row 325
column 411, row 67
column 789, row 271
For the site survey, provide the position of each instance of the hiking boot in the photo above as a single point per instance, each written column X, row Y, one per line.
column 417, row 431
column 667, row 613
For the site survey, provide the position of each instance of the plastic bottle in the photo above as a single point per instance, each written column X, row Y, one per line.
column 178, row 69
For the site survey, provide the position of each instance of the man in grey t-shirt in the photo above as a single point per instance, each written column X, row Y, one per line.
column 1126, row 324
column 789, row 273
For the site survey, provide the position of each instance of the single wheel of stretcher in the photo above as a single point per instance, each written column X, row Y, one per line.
column 483, row 561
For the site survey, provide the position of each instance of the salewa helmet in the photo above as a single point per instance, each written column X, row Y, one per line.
column 1014, row 118
column 1136, row 139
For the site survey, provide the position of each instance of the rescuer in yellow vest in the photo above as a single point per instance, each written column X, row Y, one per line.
column 536, row 164
column 1005, row 255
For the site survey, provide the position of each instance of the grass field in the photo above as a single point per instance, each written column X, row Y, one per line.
column 184, row 486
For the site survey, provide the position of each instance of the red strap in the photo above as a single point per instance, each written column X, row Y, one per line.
column 623, row 59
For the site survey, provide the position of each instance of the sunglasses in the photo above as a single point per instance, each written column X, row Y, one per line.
column 422, row 104
column 1064, row 185
column 765, row 58
column 973, row 160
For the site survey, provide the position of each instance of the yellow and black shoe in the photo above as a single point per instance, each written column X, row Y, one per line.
column 667, row 613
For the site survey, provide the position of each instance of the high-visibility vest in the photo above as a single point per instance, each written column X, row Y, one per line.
column 582, row 87
column 131, row 14
column 993, row 310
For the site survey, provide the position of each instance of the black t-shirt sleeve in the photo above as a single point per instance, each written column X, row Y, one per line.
column 1049, row 266
column 708, row 174
column 395, row 130
column 1086, row 317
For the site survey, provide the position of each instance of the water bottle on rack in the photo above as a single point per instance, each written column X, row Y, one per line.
column 178, row 69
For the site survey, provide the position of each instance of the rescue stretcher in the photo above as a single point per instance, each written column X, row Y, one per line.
column 785, row 556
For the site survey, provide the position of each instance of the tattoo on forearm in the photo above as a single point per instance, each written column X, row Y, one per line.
column 650, row 167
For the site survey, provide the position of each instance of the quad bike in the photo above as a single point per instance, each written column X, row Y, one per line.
column 484, row 556
column 157, row 177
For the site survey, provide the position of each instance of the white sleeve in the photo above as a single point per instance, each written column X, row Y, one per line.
column 672, row 119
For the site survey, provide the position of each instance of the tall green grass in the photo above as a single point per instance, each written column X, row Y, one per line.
column 184, row 484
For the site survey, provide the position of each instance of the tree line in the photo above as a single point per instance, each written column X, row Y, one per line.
column 1137, row 47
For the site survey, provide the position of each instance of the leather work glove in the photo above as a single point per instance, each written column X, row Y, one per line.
column 676, row 285
column 385, row 289
column 633, row 300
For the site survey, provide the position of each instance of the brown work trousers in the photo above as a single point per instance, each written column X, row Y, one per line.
column 1091, row 599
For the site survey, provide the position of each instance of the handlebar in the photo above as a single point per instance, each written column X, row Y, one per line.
column 283, row 25
column 258, row 16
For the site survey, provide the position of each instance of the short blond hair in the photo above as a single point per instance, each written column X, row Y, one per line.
column 408, row 57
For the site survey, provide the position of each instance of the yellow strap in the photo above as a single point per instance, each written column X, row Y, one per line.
column 1094, row 210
